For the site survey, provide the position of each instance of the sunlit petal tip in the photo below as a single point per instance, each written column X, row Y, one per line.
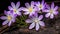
column 52, row 16
column 47, row 15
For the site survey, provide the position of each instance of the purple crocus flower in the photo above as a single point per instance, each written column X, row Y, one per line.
column 51, row 11
column 15, row 8
column 40, row 6
column 9, row 18
column 36, row 21
column 30, row 9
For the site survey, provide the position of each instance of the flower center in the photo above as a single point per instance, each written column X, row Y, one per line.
column 40, row 6
column 51, row 11
column 9, row 18
column 15, row 10
column 30, row 9
column 36, row 20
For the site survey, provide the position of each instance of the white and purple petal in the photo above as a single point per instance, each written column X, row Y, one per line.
column 5, row 22
column 12, row 4
column 3, row 17
column 37, row 26
column 9, row 23
column 26, row 13
column 17, row 5
column 51, row 16
column 28, row 21
column 32, row 3
column 55, row 12
column 47, row 15
column 27, row 5
column 10, row 8
column 40, row 17
column 42, row 23
column 32, row 26
column 52, row 5
column 56, row 8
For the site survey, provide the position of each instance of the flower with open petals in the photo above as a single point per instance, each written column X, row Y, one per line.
column 9, row 18
column 15, row 8
column 51, row 11
column 36, row 21
column 30, row 8
column 40, row 6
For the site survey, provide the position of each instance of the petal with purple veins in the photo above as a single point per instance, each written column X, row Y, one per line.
column 55, row 12
column 41, row 23
column 26, row 13
column 30, row 14
column 42, row 2
column 27, row 5
column 46, row 10
column 25, row 9
column 12, row 4
column 19, row 9
column 47, row 6
column 35, row 15
column 56, row 8
column 5, row 12
column 37, row 26
column 52, row 5
column 10, row 8
column 40, row 17
column 5, row 22
column 47, row 15
column 17, row 5
column 37, row 3
column 51, row 16
column 28, row 21
column 13, row 20
column 9, row 23
column 3, row 17
column 18, row 13
column 32, row 26
column 32, row 3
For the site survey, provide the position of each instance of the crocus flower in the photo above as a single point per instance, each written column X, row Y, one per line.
column 40, row 6
column 36, row 21
column 9, row 18
column 15, row 8
column 30, row 9
column 51, row 11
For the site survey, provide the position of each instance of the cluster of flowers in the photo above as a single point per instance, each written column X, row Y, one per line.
column 32, row 10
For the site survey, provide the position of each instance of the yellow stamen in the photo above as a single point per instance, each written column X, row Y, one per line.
column 36, row 20
column 30, row 9
column 40, row 6
column 51, row 11
column 14, row 10
column 9, row 18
